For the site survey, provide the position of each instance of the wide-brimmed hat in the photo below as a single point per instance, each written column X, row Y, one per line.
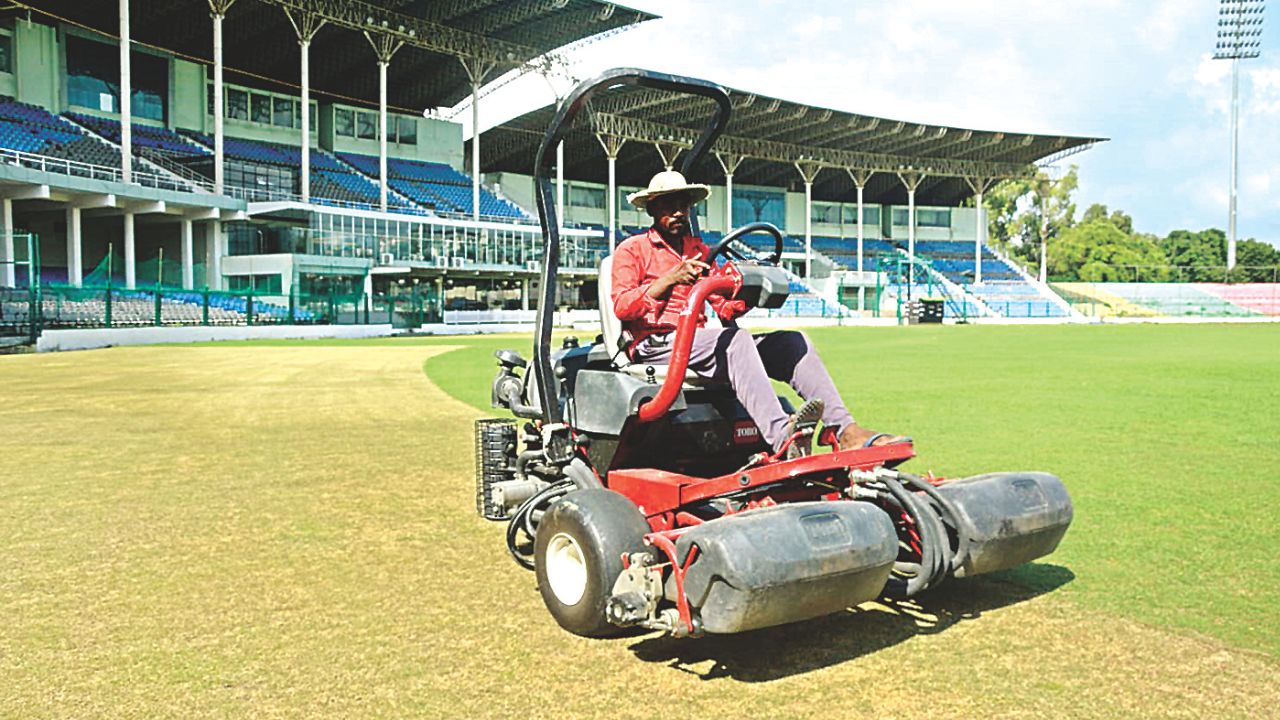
column 669, row 182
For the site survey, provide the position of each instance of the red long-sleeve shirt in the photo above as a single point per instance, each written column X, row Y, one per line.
column 637, row 262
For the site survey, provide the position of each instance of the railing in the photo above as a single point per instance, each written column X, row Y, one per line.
column 75, row 168
column 184, row 179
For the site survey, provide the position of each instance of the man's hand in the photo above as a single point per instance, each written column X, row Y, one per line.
column 686, row 273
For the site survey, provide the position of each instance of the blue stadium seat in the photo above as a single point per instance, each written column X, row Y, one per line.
column 434, row 185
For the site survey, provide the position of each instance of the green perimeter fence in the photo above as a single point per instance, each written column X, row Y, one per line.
column 28, row 311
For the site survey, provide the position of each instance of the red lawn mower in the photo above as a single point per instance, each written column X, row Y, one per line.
column 645, row 497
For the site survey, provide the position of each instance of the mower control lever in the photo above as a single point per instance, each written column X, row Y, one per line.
column 725, row 282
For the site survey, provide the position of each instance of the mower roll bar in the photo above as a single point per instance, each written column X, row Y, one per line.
column 569, row 109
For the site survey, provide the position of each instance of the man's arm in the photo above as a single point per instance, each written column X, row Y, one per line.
column 632, row 297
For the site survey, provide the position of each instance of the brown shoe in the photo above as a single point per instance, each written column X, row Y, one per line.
column 804, row 420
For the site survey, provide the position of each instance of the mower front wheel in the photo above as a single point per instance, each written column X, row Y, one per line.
column 578, row 556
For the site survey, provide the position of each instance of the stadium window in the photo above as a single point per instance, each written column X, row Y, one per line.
column 588, row 197
column 828, row 213
column 759, row 206
column 366, row 126
column 933, row 217
column 237, row 104
column 282, row 115
column 870, row 215
column 93, row 78
column 900, row 217
column 408, row 134
column 6, row 52
column 260, row 108
column 344, row 122
column 315, row 113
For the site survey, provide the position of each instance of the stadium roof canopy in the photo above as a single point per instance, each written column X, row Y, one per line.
column 261, row 45
column 770, row 141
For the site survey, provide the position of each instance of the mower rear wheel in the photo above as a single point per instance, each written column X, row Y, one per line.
column 578, row 556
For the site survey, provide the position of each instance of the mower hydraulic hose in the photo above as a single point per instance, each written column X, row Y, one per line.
column 949, row 515
column 581, row 474
column 685, row 328
column 523, row 520
column 934, row 545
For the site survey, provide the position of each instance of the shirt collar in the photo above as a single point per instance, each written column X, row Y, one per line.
column 655, row 239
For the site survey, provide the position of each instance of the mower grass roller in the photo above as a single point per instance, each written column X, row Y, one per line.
column 645, row 497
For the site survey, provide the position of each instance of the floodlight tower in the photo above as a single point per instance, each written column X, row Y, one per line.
column 1239, row 33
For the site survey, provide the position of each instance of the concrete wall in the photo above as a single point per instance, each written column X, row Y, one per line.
column 56, row 340
column 188, row 102
column 438, row 140
column 38, row 62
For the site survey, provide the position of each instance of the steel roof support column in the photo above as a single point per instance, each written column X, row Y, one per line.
column 912, row 180
column 668, row 151
column 979, row 185
column 612, row 145
column 305, row 25
column 860, row 179
column 126, row 99
column 218, row 11
column 8, row 277
column 729, row 164
column 75, row 256
column 130, row 254
column 188, row 266
column 385, row 47
column 476, row 68
column 808, row 171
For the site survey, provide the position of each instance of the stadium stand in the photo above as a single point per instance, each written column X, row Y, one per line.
column 1261, row 298
column 144, row 136
column 434, row 185
column 330, row 179
column 1176, row 299
column 1016, row 299
column 31, row 129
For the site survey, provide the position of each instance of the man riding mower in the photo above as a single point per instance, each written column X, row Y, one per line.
column 658, row 482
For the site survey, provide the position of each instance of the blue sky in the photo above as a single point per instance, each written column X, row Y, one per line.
column 1139, row 73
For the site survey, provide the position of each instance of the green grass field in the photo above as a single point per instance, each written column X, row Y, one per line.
column 287, row 529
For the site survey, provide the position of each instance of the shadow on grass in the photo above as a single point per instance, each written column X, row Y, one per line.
column 787, row 650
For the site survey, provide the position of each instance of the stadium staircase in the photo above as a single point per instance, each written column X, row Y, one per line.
column 154, row 147
column 960, row 301
column 1025, row 293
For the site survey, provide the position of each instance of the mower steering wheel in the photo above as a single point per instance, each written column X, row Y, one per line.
column 724, row 247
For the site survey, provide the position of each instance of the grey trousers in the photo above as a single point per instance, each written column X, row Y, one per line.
column 748, row 362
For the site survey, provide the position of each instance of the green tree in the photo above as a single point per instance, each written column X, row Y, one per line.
column 1257, row 261
column 1200, row 256
column 1022, row 210
column 1098, row 251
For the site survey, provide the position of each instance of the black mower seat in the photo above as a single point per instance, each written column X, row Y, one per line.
column 611, row 332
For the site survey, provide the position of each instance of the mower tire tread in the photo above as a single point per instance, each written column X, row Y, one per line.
column 605, row 525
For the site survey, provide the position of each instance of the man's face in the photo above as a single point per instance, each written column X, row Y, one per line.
column 670, row 213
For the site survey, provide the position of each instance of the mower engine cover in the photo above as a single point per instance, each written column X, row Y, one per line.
column 763, row 286
column 1013, row 518
column 787, row 563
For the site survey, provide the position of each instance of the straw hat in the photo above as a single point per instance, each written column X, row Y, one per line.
column 666, row 183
